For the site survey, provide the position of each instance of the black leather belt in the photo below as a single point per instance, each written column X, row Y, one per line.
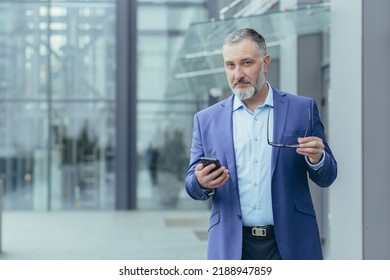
column 260, row 231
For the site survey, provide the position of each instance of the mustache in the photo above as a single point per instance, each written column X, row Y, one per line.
column 241, row 81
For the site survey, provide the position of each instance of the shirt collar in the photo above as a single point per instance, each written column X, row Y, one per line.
column 269, row 101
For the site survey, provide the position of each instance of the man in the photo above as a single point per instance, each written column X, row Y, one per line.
column 152, row 155
column 267, row 142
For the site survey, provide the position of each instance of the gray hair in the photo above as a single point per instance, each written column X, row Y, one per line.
column 246, row 33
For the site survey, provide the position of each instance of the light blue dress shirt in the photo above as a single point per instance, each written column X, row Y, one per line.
column 253, row 160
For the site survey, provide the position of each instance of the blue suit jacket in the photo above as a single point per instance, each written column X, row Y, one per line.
column 295, row 221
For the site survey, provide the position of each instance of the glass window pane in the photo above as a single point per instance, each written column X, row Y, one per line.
column 82, row 45
column 23, row 157
column 57, row 99
column 22, row 54
column 163, row 132
column 82, row 155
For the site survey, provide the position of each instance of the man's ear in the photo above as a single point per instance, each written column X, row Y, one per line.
column 266, row 61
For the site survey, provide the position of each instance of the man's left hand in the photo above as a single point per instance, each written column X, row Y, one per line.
column 312, row 147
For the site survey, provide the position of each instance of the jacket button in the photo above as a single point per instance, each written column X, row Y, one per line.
column 239, row 216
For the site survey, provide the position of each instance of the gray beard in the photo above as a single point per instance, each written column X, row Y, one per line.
column 247, row 93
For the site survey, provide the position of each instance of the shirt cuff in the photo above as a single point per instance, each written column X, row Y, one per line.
column 209, row 192
column 319, row 164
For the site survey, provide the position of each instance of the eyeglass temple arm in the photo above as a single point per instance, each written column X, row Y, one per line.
column 309, row 123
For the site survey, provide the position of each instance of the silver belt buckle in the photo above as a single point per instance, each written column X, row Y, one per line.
column 259, row 231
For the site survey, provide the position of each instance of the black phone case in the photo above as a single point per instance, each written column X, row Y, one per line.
column 206, row 161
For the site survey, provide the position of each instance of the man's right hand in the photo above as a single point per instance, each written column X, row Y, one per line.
column 212, row 180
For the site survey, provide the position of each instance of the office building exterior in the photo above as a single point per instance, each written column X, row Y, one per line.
column 97, row 100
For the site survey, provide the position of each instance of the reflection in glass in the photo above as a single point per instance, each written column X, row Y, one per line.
column 163, row 130
column 57, row 115
column 83, row 156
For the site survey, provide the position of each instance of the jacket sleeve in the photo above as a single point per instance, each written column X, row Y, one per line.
column 191, row 183
column 325, row 175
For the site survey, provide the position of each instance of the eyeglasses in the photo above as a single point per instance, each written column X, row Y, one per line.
column 281, row 145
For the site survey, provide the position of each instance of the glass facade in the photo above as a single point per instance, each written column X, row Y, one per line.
column 162, row 149
column 199, row 71
column 196, row 81
column 57, row 98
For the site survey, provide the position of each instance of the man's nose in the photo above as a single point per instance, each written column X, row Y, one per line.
column 238, row 73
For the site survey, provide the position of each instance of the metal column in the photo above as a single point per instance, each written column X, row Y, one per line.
column 126, row 101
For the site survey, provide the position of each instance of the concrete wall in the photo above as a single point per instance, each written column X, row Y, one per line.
column 345, row 130
column 376, row 129
column 359, row 215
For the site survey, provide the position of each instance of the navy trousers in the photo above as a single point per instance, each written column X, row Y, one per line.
column 259, row 247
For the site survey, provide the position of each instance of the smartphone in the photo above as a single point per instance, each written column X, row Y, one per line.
column 206, row 161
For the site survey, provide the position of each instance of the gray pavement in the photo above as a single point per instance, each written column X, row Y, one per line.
column 105, row 235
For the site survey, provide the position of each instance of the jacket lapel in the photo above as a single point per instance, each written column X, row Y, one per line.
column 280, row 118
column 226, row 136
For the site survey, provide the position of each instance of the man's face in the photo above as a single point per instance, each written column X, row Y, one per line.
column 245, row 68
